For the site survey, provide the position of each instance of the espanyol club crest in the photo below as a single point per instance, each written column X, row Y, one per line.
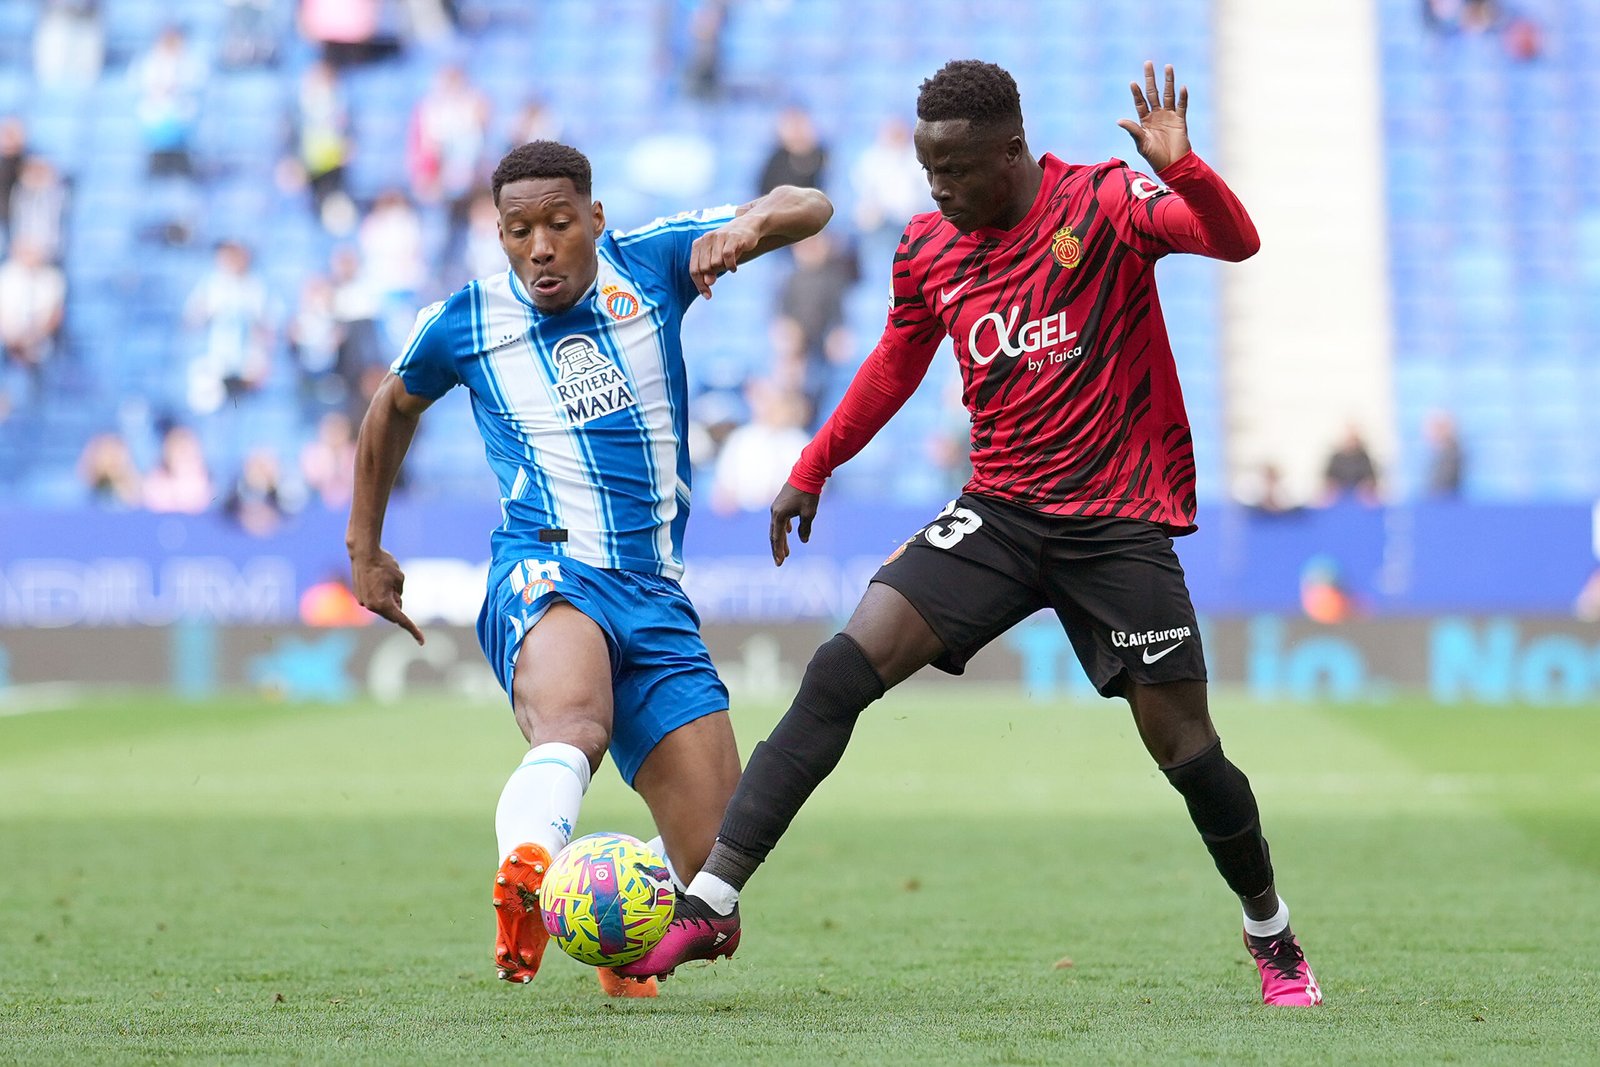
column 1066, row 247
column 619, row 303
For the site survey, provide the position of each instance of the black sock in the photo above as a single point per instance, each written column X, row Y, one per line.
column 1224, row 811
column 804, row 748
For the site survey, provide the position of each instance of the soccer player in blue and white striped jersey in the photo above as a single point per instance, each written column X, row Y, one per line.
column 574, row 365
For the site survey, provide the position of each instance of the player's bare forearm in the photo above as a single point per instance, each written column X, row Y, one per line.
column 781, row 217
column 788, row 214
column 381, row 446
column 385, row 437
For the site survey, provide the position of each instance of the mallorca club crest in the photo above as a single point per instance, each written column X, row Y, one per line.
column 619, row 303
column 1066, row 247
column 588, row 384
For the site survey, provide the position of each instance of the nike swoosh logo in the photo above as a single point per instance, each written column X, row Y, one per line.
column 947, row 295
column 1148, row 658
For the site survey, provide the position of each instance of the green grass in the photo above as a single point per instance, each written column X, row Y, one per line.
column 267, row 883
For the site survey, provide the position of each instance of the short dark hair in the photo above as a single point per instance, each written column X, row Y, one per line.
column 542, row 159
column 982, row 93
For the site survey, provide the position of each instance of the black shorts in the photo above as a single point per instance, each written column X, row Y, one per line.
column 984, row 565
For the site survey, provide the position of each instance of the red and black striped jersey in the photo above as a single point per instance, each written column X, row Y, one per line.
column 1066, row 367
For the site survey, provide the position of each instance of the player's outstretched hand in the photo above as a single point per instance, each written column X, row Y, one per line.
column 378, row 582
column 717, row 253
column 791, row 503
column 1162, row 132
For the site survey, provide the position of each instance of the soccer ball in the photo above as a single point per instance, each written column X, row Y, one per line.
column 607, row 899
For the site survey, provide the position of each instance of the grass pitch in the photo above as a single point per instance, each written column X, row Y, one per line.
column 984, row 880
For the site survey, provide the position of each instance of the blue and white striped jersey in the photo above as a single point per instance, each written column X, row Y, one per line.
column 583, row 414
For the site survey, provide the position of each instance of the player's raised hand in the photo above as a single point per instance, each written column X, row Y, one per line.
column 1162, row 132
column 717, row 253
column 791, row 503
column 378, row 582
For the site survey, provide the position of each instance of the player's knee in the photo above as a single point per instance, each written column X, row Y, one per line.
column 1218, row 793
column 582, row 732
column 843, row 676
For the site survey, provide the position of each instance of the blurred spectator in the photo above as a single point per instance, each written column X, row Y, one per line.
column 249, row 36
column 39, row 207
column 230, row 304
column 316, row 337
column 1461, row 16
column 1268, row 492
column 1446, row 459
column 755, row 459
column 328, row 461
column 322, row 128
column 481, row 251
column 430, row 21
column 13, row 154
column 179, row 482
column 889, row 184
column 394, row 265
column 713, row 416
column 108, row 472
column 33, row 301
column 69, row 44
column 810, row 323
column 258, row 500
column 1522, row 37
column 1350, row 472
column 168, row 80
column 392, row 258
column 534, row 121
column 349, row 31
column 358, row 309
column 798, row 157
column 704, row 71
column 447, row 141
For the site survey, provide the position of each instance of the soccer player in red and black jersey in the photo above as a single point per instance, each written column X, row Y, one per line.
column 1042, row 273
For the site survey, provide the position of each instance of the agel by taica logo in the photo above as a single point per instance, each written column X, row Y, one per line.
column 588, row 383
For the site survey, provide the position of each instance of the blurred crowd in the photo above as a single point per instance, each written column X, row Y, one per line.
column 331, row 334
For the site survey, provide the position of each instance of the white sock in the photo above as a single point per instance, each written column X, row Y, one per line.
column 541, row 799
column 1269, row 927
column 714, row 891
column 661, row 847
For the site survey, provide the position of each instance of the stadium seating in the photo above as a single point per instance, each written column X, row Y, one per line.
column 1490, row 158
column 1495, row 229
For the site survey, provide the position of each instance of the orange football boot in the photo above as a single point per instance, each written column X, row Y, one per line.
column 520, row 936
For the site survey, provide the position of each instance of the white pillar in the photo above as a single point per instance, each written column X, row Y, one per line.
column 1306, row 337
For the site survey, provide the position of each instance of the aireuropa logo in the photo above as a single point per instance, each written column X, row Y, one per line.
column 993, row 336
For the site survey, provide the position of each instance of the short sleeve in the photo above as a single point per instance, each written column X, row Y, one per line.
column 427, row 365
column 661, row 248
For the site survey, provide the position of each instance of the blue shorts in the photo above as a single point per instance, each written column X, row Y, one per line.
column 661, row 673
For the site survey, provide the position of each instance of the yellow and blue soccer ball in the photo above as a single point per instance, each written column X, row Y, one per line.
column 607, row 899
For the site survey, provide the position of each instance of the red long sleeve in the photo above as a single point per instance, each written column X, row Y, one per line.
column 886, row 380
column 1205, row 218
